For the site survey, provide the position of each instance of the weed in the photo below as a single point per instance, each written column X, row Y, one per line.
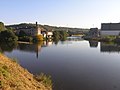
column 45, row 79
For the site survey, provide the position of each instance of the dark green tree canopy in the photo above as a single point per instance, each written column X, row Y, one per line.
column 60, row 35
column 22, row 34
column 7, row 35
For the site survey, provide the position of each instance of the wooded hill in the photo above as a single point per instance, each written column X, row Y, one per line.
column 50, row 28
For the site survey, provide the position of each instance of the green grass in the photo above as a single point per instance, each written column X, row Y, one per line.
column 15, row 60
column 45, row 79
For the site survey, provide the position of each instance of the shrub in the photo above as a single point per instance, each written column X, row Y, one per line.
column 60, row 35
column 25, row 39
column 8, row 35
column 46, row 80
column 38, row 38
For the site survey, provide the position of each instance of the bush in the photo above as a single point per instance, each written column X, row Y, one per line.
column 60, row 35
column 117, row 40
column 25, row 39
column 108, row 38
column 46, row 80
column 8, row 35
column 22, row 34
column 38, row 38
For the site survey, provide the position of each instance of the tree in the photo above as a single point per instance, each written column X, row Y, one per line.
column 63, row 35
column 2, row 27
column 8, row 35
column 25, row 39
column 38, row 38
column 56, row 35
column 22, row 34
column 60, row 35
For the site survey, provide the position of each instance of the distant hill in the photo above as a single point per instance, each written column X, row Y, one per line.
column 50, row 28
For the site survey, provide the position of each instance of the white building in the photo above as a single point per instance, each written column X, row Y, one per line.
column 110, row 29
column 47, row 34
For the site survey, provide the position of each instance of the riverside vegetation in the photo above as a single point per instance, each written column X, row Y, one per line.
column 8, row 34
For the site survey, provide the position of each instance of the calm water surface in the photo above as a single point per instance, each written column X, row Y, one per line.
column 73, row 64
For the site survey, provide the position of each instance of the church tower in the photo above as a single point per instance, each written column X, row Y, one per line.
column 38, row 30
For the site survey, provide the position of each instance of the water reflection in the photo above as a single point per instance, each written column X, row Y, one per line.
column 75, row 38
column 34, row 48
column 93, row 43
column 110, row 47
column 8, row 47
column 31, row 48
column 73, row 65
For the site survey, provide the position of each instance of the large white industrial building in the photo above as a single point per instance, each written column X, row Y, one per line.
column 110, row 29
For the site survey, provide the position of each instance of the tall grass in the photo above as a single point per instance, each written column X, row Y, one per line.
column 45, row 79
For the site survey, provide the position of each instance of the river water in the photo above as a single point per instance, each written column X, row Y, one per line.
column 73, row 64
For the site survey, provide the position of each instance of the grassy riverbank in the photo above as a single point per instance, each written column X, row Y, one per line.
column 14, row 77
column 115, row 39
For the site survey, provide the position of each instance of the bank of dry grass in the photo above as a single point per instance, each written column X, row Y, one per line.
column 14, row 77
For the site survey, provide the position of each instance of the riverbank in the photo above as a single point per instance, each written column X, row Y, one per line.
column 115, row 39
column 14, row 77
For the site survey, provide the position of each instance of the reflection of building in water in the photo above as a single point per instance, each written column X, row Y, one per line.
column 35, row 48
column 47, row 43
column 109, row 47
column 93, row 43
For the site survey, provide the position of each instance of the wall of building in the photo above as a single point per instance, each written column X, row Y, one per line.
column 39, row 31
column 30, row 31
column 109, row 32
column 110, row 29
column 110, row 26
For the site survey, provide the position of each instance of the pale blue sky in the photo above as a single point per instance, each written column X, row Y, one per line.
column 72, row 13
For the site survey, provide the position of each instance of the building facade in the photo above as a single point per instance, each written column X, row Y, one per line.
column 30, row 30
column 47, row 34
column 110, row 29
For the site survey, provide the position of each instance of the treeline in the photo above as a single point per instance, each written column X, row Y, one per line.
column 60, row 35
column 71, row 31
column 6, row 35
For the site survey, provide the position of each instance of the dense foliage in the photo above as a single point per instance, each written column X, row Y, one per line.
column 8, row 35
column 25, row 39
column 38, row 38
column 7, row 46
column 60, row 35
column 22, row 34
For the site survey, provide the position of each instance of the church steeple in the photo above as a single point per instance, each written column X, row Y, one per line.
column 36, row 24
column 38, row 29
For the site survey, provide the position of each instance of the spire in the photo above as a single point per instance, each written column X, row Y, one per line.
column 36, row 24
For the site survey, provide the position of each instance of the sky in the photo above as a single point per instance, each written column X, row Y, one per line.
column 67, row 13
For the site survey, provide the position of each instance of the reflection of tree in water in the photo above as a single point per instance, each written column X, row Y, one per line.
column 93, row 43
column 55, row 41
column 33, row 48
column 7, row 46
column 29, row 47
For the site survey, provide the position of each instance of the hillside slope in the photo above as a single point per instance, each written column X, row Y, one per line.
column 14, row 77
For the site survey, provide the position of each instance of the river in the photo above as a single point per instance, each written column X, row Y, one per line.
column 74, row 64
